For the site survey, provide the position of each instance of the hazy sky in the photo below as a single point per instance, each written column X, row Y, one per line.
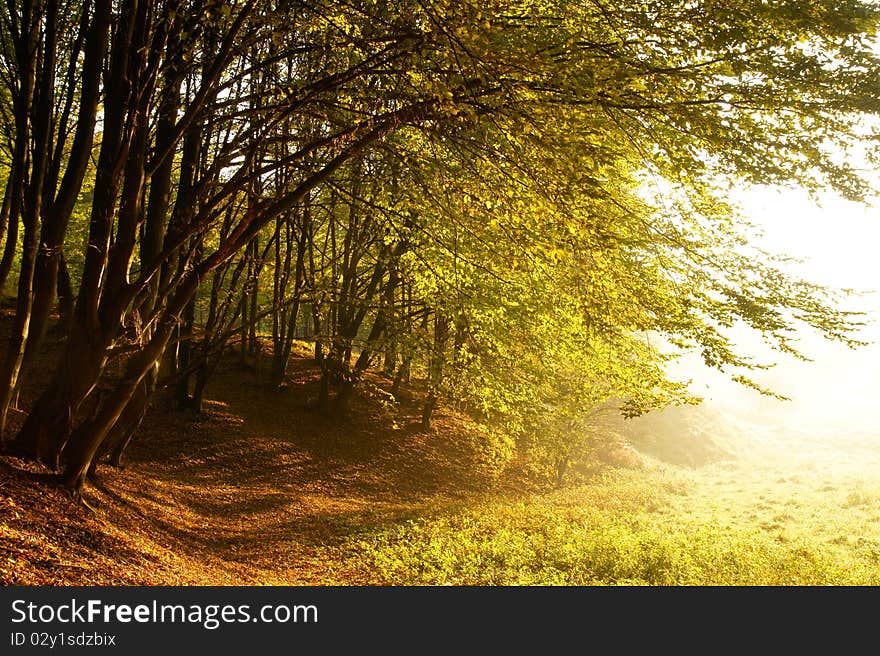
column 839, row 391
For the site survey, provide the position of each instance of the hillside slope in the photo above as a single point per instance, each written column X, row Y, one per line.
column 242, row 494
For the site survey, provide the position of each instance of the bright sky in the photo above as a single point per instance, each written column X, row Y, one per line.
column 839, row 392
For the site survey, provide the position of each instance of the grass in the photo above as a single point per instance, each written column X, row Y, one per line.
column 723, row 525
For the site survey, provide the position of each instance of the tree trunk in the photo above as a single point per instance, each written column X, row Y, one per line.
column 428, row 410
column 65, row 297
column 129, row 421
column 34, row 101
column 5, row 211
column 201, row 382
column 402, row 375
column 184, row 356
column 435, row 367
column 11, row 232
column 85, row 442
column 57, row 216
column 50, row 421
column 25, row 46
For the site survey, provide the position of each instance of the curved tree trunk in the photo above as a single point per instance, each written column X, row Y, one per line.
column 85, row 442
column 129, row 421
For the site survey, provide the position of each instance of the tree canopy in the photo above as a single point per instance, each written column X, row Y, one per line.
column 526, row 203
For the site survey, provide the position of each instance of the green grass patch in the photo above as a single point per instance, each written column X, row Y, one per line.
column 634, row 528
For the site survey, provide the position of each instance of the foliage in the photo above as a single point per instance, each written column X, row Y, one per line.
column 525, row 202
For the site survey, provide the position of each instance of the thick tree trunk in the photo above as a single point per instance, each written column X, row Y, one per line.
column 50, row 421
column 85, row 442
column 57, row 216
column 34, row 102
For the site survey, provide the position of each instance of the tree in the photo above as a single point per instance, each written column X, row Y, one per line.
column 504, row 197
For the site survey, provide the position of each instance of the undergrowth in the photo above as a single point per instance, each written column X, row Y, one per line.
column 625, row 528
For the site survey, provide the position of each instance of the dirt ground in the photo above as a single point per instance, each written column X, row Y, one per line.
column 254, row 491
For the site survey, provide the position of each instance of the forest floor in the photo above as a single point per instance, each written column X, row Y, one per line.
column 257, row 489
column 261, row 489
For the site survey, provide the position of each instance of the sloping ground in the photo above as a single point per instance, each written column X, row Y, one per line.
column 263, row 490
column 257, row 490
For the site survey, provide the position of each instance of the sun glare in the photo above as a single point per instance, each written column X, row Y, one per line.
column 833, row 396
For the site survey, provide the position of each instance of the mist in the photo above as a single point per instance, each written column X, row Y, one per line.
column 833, row 397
